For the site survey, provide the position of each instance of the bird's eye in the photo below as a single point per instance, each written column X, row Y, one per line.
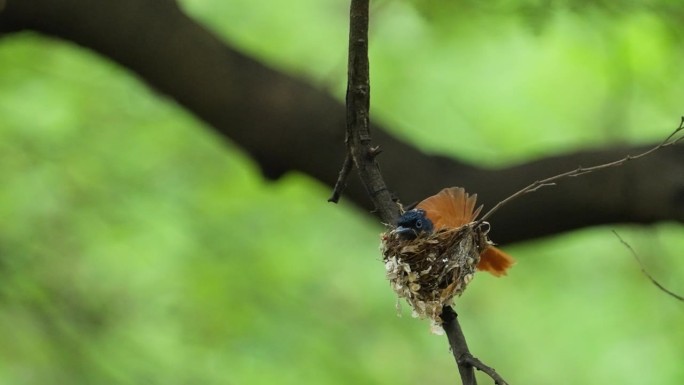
column 419, row 223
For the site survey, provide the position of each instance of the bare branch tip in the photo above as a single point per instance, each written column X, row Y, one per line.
column 643, row 269
column 581, row 170
column 374, row 151
column 341, row 182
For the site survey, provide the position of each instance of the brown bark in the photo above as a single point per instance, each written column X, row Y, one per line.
column 288, row 125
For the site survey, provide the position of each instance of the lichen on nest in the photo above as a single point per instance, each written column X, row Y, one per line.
column 430, row 270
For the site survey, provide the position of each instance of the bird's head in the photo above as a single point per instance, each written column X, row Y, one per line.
column 413, row 223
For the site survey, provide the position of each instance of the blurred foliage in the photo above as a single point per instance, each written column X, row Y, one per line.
column 538, row 14
column 136, row 246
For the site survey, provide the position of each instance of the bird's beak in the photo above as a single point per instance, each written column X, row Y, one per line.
column 405, row 232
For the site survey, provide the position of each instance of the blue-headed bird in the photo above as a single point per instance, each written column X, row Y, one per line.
column 451, row 208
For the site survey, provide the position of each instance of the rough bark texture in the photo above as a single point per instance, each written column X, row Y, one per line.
column 288, row 125
column 358, row 137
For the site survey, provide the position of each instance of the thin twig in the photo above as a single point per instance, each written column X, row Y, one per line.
column 341, row 183
column 643, row 269
column 458, row 344
column 477, row 364
column 669, row 141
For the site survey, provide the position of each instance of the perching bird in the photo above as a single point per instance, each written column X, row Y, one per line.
column 451, row 208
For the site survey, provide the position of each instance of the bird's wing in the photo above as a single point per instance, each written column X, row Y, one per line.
column 450, row 208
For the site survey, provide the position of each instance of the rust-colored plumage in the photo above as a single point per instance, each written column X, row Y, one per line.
column 495, row 261
column 452, row 208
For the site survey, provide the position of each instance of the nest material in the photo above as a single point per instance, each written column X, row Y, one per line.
column 429, row 271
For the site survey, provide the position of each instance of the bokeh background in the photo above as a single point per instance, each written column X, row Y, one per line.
column 138, row 247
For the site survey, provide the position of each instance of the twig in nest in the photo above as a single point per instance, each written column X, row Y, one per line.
column 643, row 269
column 669, row 141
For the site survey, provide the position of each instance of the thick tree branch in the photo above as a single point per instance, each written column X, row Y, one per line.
column 477, row 364
column 284, row 123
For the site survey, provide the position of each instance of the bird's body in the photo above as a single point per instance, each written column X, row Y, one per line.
column 433, row 252
column 452, row 208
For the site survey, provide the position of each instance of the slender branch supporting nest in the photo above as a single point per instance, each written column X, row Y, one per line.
column 361, row 154
column 459, row 348
column 458, row 344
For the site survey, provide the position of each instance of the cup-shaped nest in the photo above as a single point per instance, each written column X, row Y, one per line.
column 430, row 270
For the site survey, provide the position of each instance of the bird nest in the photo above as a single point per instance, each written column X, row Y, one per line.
column 430, row 270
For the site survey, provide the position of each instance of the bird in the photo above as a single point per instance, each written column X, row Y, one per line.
column 451, row 208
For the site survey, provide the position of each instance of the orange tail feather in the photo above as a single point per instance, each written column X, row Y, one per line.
column 495, row 261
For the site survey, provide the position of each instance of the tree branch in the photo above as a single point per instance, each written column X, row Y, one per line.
column 646, row 273
column 358, row 138
column 458, row 344
column 551, row 181
column 283, row 123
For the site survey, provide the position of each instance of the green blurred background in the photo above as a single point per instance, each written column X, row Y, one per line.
column 138, row 247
